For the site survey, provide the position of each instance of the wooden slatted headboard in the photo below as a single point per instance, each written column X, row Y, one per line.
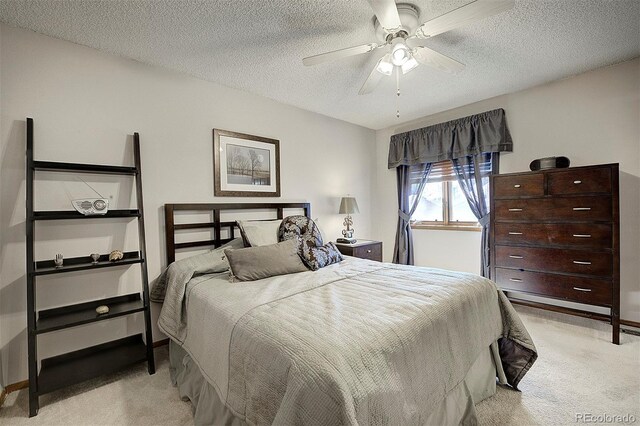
column 217, row 225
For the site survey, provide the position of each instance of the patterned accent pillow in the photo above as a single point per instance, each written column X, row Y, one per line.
column 302, row 227
column 313, row 253
column 319, row 257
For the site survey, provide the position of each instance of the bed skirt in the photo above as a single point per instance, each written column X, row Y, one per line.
column 458, row 407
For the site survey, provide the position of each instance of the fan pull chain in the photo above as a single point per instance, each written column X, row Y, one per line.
column 397, row 92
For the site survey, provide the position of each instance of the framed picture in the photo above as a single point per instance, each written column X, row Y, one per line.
column 245, row 165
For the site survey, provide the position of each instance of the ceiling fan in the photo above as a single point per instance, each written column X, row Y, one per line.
column 400, row 35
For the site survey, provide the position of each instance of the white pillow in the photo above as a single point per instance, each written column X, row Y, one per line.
column 260, row 232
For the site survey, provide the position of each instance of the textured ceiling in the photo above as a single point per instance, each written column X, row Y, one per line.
column 257, row 46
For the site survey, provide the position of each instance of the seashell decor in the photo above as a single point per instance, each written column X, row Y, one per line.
column 115, row 255
column 102, row 309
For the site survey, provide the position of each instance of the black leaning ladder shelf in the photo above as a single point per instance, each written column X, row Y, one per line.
column 74, row 367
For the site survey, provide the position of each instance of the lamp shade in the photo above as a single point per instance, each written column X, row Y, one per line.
column 348, row 205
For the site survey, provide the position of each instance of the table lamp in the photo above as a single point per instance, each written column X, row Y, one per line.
column 348, row 205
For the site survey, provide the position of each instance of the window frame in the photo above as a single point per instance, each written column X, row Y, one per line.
column 447, row 224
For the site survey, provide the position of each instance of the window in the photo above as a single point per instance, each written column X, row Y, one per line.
column 443, row 204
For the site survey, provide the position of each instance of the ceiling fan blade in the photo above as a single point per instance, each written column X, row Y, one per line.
column 387, row 13
column 430, row 57
column 374, row 78
column 339, row 54
column 465, row 15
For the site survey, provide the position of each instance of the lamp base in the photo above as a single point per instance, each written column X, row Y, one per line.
column 346, row 240
column 348, row 231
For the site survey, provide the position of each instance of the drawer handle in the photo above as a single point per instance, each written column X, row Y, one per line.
column 577, row 182
column 513, row 256
column 368, row 251
column 516, row 185
column 581, row 262
column 515, row 280
column 582, row 235
column 515, row 233
column 515, row 210
column 582, row 289
column 581, row 209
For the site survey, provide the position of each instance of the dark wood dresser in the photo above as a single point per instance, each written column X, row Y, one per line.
column 364, row 249
column 555, row 233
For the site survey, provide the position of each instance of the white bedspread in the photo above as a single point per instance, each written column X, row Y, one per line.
column 360, row 342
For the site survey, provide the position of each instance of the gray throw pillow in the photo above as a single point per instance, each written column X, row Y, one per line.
column 255, row 263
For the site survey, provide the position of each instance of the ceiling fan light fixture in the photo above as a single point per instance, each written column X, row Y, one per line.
column 384, row 66
column 400, row 54
column 409, row 65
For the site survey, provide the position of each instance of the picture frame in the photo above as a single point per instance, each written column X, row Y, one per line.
column 245, row 165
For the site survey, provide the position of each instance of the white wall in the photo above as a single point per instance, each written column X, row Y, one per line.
column 85, row 105
column 592, row 118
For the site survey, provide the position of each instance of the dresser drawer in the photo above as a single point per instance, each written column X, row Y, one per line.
column 371, row 252
column 578, row 235
column 515, row 186
column 579, row 209
column 592, row 291
column 580, row 181
column 585, row 262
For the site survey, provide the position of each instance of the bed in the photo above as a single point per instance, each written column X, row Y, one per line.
column 358, row 342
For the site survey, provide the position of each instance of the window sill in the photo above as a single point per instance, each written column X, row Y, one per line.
column 447, row 227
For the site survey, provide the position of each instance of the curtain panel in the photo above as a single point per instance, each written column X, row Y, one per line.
column 411, row 182
column 465, row 137
column 471, row 177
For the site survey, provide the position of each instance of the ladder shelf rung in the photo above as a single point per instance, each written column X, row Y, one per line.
column 84, row 313
column 72, row 264
column 72, row 214
column 74, row 367
column 53, row 166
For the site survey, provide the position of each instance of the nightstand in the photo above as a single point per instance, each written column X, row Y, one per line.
column 364, row 249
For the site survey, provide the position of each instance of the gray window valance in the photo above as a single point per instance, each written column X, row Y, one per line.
column 481, row 133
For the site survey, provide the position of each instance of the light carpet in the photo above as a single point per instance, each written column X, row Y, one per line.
column 578, row 372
